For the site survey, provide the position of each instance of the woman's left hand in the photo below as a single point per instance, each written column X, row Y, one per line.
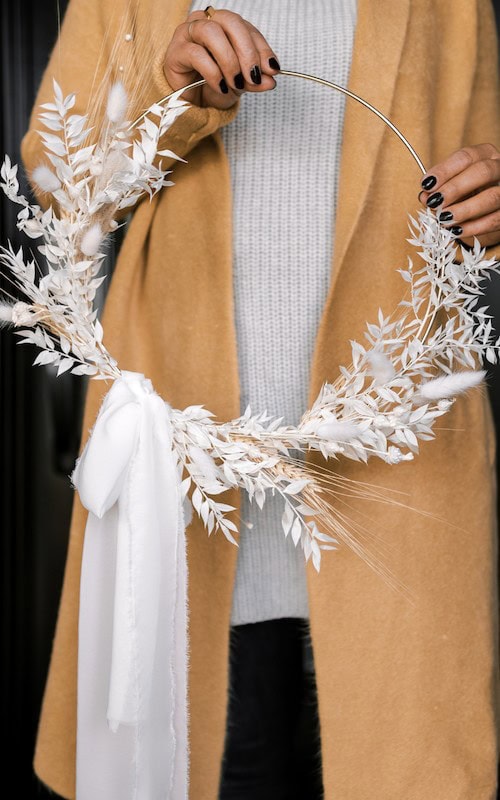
column 466, row 190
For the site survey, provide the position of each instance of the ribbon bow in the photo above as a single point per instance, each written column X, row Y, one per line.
column 132, row 741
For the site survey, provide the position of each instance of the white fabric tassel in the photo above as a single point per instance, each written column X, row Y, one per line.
column 132, row 740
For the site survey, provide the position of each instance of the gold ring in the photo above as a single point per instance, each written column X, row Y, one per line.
column 209, row 11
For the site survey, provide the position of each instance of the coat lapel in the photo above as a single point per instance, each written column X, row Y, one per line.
column 378, row 46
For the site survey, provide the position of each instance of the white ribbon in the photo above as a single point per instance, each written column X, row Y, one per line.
column 132, row 740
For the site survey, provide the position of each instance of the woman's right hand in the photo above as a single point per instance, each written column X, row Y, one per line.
column 226, row 50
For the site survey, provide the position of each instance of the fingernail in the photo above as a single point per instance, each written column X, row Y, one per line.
column 273, row 63
column 429, row 182
column 239, row 81
column 457, row 230
column 445, row 216
column 223, row 86
column 435, row 200
column 255, row 74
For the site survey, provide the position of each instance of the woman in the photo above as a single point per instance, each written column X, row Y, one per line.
column 406, row 694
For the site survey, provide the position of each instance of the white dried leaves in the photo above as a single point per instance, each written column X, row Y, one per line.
column 383, row 405
column 414, row 364
column 89, row 184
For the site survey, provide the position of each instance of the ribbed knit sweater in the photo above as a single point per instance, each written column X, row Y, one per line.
column 284, row 186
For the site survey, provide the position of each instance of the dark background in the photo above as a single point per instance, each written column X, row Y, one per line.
column 40, row 419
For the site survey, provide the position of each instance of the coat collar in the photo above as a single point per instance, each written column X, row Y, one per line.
column 378, row 47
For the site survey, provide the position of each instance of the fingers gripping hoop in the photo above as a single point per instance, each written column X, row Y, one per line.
column 323, row 82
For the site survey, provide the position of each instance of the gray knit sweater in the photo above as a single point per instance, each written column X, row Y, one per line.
column 284, row 151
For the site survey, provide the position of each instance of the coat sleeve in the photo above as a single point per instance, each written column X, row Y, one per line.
column 483, row 123
column 101, row 41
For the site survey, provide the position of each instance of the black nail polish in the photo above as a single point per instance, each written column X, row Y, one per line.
column 457, row 230
column 445, row 216
column 429, row 182
column 255, row 74
column 239, row 81
column 435, row 200
column 273, row 63
column 223, row 86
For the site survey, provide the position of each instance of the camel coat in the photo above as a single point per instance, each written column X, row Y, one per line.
column 407, row 691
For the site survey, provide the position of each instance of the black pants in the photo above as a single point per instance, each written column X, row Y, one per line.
column 272, row 747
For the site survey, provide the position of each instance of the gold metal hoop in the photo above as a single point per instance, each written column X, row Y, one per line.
column 323, row 82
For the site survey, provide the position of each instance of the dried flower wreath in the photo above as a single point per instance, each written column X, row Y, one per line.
column 146, row 464
column 381, row 405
